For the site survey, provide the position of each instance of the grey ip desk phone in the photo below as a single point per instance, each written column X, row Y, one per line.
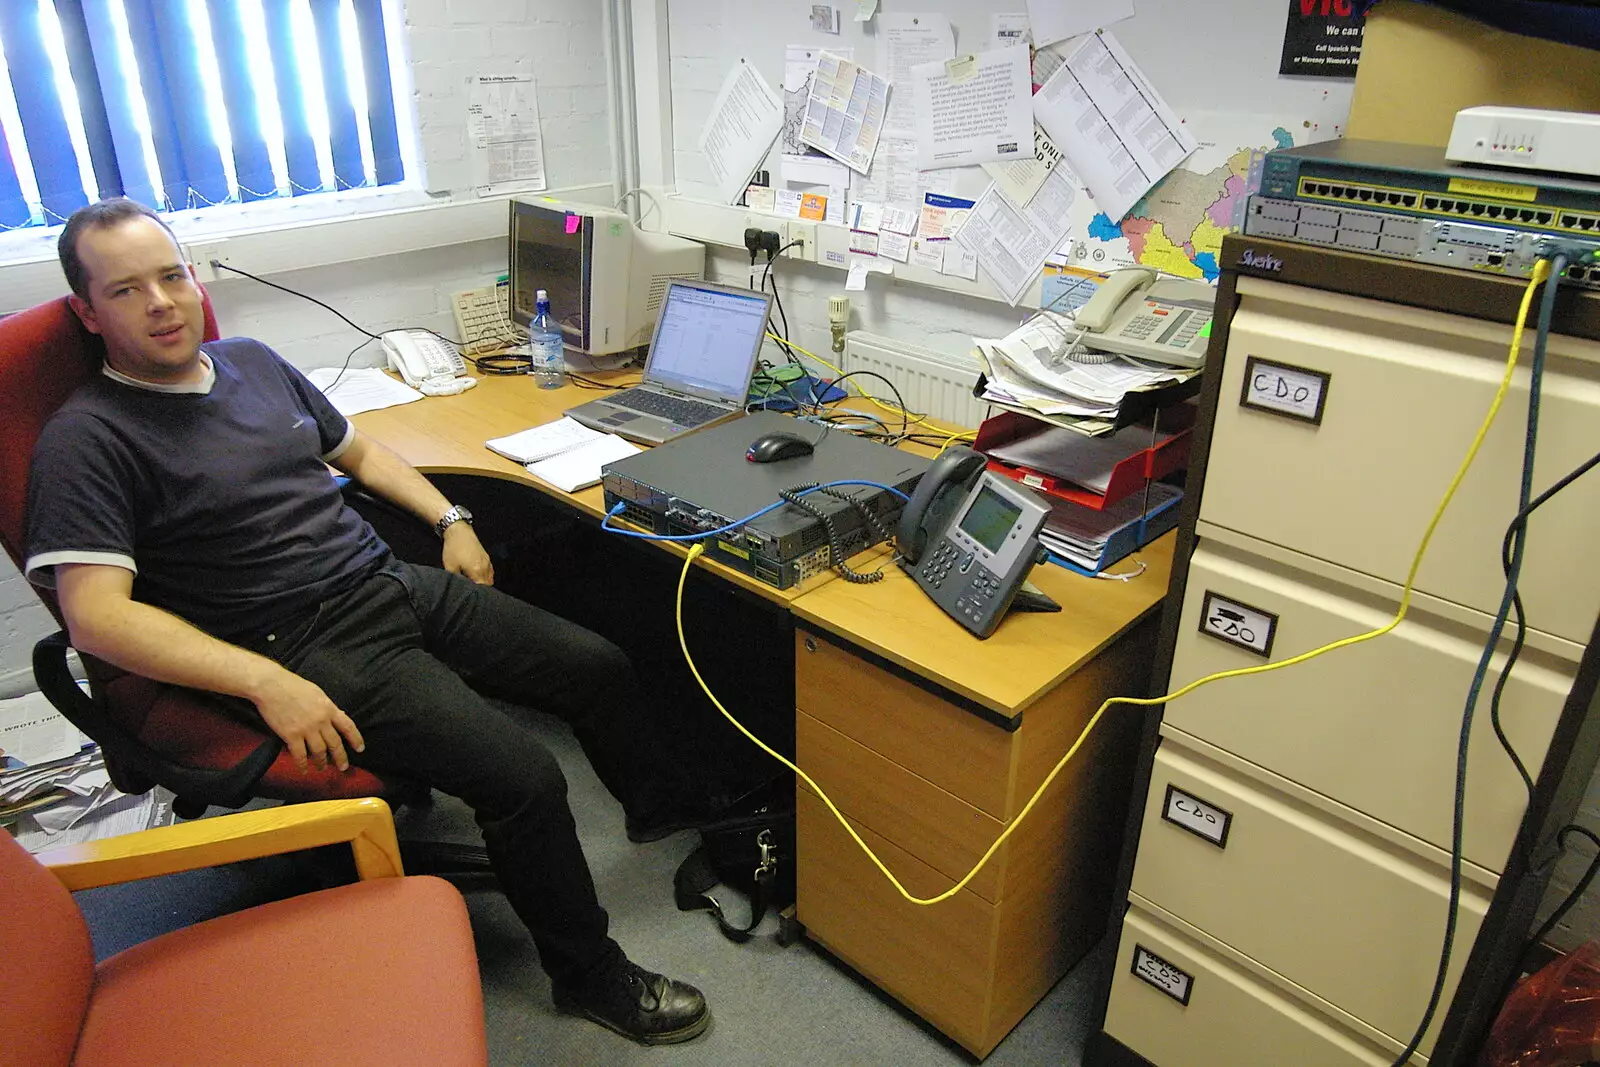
column 969, row 538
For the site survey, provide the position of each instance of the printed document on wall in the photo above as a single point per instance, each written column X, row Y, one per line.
column 974, row 110
column 844, row 114
column 503, row 129
column 743, row 123
column 1021, row 180
column 1056, row 20
column 1007, row 30
column 908, row 42
column 1011, row 243
column 1110, row 123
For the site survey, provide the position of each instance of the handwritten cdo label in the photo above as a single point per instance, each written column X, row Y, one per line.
column 1284, row 389
column 1174, row 981
column 1195, row 815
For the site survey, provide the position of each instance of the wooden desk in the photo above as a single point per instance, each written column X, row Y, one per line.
column 928, row 739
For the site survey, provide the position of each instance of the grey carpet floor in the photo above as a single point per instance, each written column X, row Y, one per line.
column 771, row 1005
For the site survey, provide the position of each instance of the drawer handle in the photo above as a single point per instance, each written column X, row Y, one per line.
column 811, row 644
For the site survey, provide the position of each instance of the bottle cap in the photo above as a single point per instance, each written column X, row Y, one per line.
column 541, row 295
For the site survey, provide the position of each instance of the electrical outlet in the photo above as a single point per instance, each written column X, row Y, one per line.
column 199, row 255
column 806, row 234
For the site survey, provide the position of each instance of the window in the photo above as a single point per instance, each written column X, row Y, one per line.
column 188, row 103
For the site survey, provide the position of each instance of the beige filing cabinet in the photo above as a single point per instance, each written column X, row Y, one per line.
column 1287, row 900
column 930, row 742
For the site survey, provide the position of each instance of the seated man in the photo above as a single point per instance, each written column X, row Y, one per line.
column 181, row 508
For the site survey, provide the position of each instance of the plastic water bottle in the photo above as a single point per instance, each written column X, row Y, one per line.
column 546, row 347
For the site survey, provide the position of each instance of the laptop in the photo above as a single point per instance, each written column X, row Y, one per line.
column 702, row 357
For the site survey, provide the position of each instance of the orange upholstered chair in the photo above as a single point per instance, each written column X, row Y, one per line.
column 378, row 973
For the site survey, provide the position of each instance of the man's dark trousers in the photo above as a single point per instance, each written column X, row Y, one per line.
column 407, row 653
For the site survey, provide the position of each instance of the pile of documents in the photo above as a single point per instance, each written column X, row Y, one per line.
column 54, row 786
column 1082, row 535
column 1031, row 369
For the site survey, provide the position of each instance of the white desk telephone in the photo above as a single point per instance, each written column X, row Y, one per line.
column 1136, row 312
column 426, row 362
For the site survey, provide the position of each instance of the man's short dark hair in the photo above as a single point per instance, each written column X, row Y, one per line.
column 98, row 215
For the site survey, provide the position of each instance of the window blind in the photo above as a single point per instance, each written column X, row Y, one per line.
column 187, row 103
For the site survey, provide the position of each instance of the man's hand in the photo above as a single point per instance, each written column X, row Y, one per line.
column 309, row 723
column 464, row 554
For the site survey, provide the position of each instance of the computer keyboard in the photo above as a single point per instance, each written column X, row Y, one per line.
column 481, row 317
column 682, row 412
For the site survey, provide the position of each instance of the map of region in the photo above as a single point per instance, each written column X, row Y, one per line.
column 1179, row 225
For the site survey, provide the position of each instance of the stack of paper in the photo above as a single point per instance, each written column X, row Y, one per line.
column 357, row 389
column 1032, row 368
column 1080, row 534
column 108, row 813
column 1085, row 461
column 565, row 453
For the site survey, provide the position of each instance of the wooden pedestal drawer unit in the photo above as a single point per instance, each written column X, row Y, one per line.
column 1228, row 1014
column 1407, row 391
column 1374, row 726
column 929, row 781
column 1379, row 910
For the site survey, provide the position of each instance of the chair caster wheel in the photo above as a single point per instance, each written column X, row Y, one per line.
column 790, row 930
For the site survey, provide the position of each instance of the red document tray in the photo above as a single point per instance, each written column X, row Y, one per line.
column 1127, row 477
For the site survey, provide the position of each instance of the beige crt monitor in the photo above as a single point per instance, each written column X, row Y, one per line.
column 606, row 277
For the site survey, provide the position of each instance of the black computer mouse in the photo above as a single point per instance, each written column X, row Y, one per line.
column 768, row 448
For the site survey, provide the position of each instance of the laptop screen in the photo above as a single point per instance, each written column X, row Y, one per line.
column 707, row 339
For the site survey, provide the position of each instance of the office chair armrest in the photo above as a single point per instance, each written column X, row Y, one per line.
column 366, row 823
column 228, row 787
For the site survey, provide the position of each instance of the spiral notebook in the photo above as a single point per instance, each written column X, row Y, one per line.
column 565, row 453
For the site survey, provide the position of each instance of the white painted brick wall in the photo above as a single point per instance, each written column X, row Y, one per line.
column 559, row 42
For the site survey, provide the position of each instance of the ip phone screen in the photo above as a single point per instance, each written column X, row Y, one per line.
column 990, row 518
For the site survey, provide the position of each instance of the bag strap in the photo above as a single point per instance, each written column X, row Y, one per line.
column 694, row 880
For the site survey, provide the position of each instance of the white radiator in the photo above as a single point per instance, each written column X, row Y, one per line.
column 931, row 383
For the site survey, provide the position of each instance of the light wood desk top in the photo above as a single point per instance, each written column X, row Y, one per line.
column 446, row 435
column 1021, row 662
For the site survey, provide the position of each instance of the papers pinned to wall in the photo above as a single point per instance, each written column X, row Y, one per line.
column 503, row 131
column 909, row 41
column 1110, row 123
column 743, row 123
column 942, row 216
column 1052, row 20
column 973, row 110
column 1009, row 30
column 845, row 111
column 1011, row 243
column 1020, row 180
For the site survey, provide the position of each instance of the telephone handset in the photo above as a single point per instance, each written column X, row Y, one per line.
column 426, row 362
column 969, row 538
column 1136, row 312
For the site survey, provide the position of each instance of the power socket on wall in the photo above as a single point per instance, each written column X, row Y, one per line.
column 804, row 232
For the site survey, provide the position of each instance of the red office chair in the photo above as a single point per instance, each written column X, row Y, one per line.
column 152, row 733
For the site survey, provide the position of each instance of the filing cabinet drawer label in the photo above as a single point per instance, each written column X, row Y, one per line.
column 1172, row 981
column 1284, row 389
column 1238, row 623
column 1196, row 816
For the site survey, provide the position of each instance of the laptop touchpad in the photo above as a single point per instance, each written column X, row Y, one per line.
column 620, row 417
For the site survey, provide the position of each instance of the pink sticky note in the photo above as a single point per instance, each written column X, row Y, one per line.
column 574, row 223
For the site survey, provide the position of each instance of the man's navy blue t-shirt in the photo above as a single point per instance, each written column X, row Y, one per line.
column 215, row 495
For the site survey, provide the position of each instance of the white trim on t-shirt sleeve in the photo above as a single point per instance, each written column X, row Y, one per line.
column 40, row 569
column 338, row 449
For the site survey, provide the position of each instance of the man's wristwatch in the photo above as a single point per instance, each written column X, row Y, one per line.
column 456, row 514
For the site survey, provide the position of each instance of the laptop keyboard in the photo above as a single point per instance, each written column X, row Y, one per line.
column 671, row 408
